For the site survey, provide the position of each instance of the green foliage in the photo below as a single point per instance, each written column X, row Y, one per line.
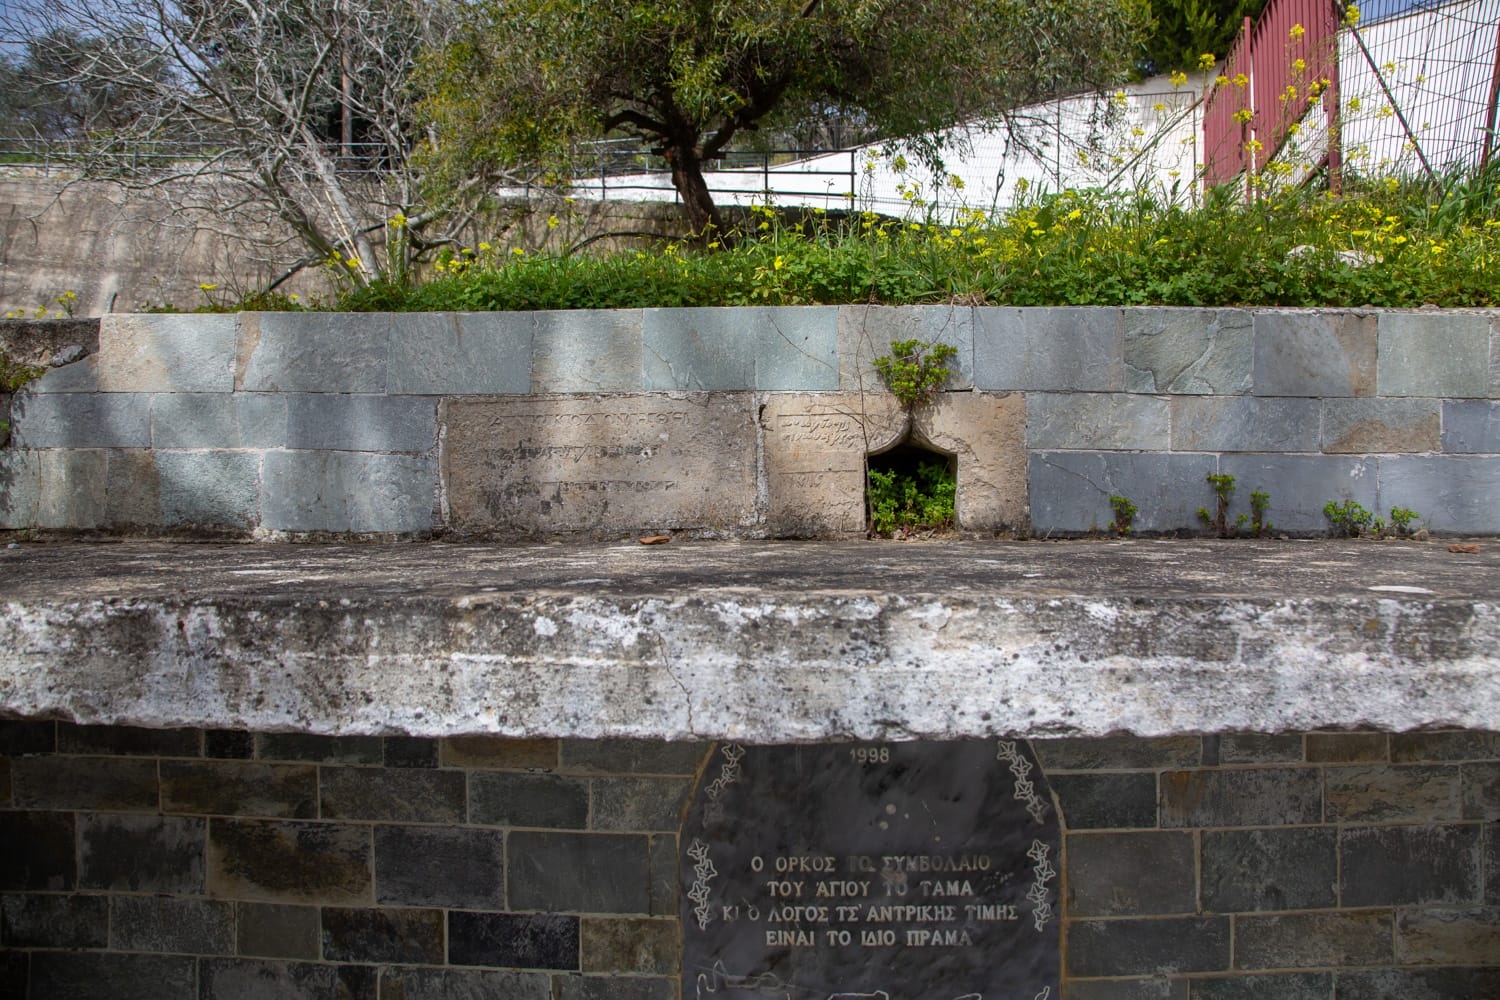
column 1223, row 485
column 901, row 503
column 1255, row 521
column 914, row 370
column 1068, row 249
column 1184, row 30
column 13, row 376
column 1402, row 519
column 526, row 82
column 1348, row 519
column 1260, row 502
column 1125, row 513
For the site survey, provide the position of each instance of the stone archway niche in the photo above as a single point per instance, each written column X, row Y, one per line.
column 816, row 446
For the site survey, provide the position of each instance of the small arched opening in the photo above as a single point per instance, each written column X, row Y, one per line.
column 909, row 489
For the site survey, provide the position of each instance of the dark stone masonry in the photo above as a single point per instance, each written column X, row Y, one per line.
column 218, row 865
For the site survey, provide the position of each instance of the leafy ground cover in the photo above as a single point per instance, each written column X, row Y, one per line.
column 1385, row 244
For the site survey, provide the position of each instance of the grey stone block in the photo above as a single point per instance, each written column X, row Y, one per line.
column 1291, row 869
column 1263, row 986
column 630, row 945
column 1448, row 936
column 127, row 741
column 84, row 783
column 1471, row 983
column 1396, row 865
column 141, row 853
column 532, row 800
column 409, row 751
column 80, row 376
column 1459, row 744
column 1309, row 940
column 1167, row 946
column 663, row 871
column 614, row 988
column 320, row 749
column 361, row 423
column 866, row 332
column 208, row 488
column 436, row 866
column 513, row 940
column 192, row 352
column 461, row 353
column 1155, row 988
column 648, row 804
column 386, row 934
column 1471, row 427
column 95, row 975
column 313, row 352
column 1060, row 349
column 1314, row 353
column 20, row 488
column 239, row 788
column 162, row 924
column 586, row 350
column 259, row 979
column 1254, row 797
column 1362, row 426
column 634, row 757
column 1245, row 423
column 348, row 491
column 1119, row 753
column 1188, row 351
column 578, row 872
column 788, row 348
column 72, row 489
column 1260, row 748
column 1097, row 421
column 1348, row 748
column 1108, row 801
column 35, row 920
column 1455, row 495
column 219, row 420
column 274, row 930
column 81, row 420
column 1070, row 491
column 1434, row 354
column 1384, row 794
column 1481, row 793
column 467, row 984
column 500, row 753
column 1131, row 874
column 392, row 794
column 1299, row 486
column 289, row 862
column 41, row 853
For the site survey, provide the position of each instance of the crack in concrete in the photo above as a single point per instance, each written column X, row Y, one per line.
column 687, row 697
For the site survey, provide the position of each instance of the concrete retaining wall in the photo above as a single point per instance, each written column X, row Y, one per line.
column 214, row 865
column 751, row 422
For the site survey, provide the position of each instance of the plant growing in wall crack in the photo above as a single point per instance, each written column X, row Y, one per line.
column 1125, row 512
column 914, row 370
column 1218, row 520
column 897, row 501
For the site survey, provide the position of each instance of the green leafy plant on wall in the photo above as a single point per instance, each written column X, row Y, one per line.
column 12, row 377
column 902, row 503
column 1125, row 512
column 915, row 370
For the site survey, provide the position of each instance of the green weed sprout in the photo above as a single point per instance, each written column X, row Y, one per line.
column 1348, row 519
column 1125, row 512
column 914, row 370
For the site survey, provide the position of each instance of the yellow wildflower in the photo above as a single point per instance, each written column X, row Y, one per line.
column 1297, row 32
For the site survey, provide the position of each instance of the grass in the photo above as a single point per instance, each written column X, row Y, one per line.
column 1388, row 244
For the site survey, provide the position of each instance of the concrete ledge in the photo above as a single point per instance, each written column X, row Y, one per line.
column 756, row 642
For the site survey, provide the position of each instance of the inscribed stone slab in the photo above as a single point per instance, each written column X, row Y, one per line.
column 898, row 870
column 606, row 465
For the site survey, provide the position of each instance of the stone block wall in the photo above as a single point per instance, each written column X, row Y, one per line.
column 751, row 422
column 215, row 864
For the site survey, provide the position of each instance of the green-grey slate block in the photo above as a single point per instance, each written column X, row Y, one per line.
column 793, row 348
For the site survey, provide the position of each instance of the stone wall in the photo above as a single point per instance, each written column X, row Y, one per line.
column 751, row 422
column 216, row 865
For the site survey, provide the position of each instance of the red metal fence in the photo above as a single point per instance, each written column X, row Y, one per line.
column 1275, row 70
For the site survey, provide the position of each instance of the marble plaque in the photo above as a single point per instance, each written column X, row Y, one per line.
column 890, row 871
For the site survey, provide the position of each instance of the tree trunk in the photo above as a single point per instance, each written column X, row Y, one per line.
column 697, row 203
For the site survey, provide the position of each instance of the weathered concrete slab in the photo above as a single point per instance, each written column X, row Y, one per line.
column 761, row 642
column 1315, row 353
column 815, row 448
column 167, row 353
column 1189, row 351
column 607, row 465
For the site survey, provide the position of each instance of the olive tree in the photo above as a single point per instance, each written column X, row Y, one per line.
column 525, row 81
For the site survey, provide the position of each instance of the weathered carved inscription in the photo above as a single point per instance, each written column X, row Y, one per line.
column 892, row 870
